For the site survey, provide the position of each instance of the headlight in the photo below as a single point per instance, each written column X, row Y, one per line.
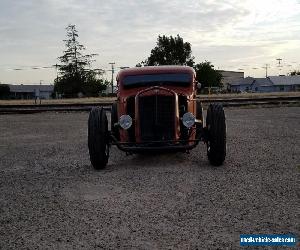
column 188, row 119
column 125, row 121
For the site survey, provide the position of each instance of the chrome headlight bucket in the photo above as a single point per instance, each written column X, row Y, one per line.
column 125, row 121
column 188, row 120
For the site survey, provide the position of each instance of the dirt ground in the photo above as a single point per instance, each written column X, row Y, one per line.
column 51, row 197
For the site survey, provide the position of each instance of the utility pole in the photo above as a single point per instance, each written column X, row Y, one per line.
column 279, row 65
column 266, row 68
column 37, row 93
column 56, row 68
column 279, row 61
column 112, row 76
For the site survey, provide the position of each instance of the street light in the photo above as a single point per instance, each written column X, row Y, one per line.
column 112, row 76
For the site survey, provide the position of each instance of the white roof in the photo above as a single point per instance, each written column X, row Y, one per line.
column 31, row 88
column 242, row 81
column 285, row 80
column 263, row 82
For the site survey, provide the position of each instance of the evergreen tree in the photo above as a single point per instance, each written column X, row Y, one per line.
column 75, row 73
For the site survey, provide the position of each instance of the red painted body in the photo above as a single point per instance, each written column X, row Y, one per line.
column 188, row 91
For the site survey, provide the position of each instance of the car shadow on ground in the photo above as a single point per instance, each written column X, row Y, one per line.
column 119, row 161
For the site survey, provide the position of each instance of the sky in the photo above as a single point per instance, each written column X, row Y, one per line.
column 238, row 35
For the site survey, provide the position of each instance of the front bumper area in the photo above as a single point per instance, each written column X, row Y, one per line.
column 155, row 146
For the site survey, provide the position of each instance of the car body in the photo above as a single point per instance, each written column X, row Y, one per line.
column 156, row 106
column 156, row 110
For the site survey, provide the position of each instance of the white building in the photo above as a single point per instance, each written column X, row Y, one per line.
column 229, row 77
column 31, row 91
column 269, row 84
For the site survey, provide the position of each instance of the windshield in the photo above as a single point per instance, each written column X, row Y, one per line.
column 181, row 79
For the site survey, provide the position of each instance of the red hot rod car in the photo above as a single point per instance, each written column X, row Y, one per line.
column 157, row 110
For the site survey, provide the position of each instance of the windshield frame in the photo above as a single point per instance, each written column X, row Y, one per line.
column 176, row 79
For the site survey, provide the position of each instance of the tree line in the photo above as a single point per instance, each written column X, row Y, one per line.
column 75, row 74
column 174, row 51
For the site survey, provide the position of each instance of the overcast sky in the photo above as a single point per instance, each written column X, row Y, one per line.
column 232, row 34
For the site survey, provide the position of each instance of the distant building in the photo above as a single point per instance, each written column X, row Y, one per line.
column 241, row 85
column 230, row 76
column 262, row 85
column 269, row 84
column 286, row 83
column 31, row 91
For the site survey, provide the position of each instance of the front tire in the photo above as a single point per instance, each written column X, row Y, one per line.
column 216, row 128
column 98, row 138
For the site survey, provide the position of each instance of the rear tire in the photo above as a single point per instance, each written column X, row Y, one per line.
column 216, row 128
column 98, row 138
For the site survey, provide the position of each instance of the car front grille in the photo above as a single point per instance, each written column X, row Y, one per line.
column 157, row 117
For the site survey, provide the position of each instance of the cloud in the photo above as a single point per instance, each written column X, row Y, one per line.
column 227, row 32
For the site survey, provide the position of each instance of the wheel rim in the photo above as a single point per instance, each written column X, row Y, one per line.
column 107, row 150
column 208, row 141
column 208, row 147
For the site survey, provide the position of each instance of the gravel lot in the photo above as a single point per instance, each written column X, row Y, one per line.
column 51, row 198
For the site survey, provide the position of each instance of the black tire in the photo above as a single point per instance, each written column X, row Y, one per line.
column 114, row 119
column 98, row 138
column 199, row 116
column 216, row 128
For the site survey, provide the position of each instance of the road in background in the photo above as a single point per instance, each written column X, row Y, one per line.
column 50, row 197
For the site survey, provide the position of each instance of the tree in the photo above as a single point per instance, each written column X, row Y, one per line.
column 170, row 51
column 4, row 91
column 75, row 73
column 295, row 72
column 207, row 75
